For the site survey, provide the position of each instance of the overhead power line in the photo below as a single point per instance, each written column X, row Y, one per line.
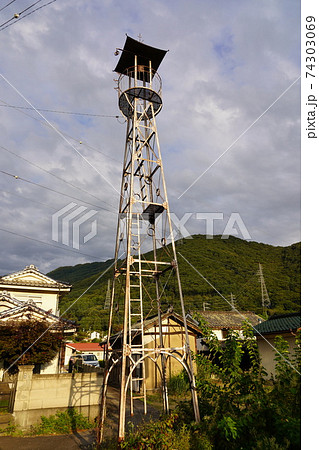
column 17, row 15
column 61, row 112
column 29, row 199
column 58, row 132
column 53, row 174
column 54, row 190
column 16, row 18
column 49, row 243
column 8, row 4
column 43, row 122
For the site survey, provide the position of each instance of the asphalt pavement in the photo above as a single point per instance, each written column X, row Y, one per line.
column 75, row 441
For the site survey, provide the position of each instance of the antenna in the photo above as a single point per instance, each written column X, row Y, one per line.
column 179, row 237
column 265, row 301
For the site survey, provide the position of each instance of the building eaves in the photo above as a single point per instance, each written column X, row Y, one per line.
column 14, row 279
column 26, row 307
column 277, row 324
column 233, row 320
column 153, row 321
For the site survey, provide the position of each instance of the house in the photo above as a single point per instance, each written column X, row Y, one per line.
column 173, row 337
column 221, row 322
column 12, row 309
column 285, row 325
column 95, row 335
column 30, row 284
column 83, row 347
column 29, row 294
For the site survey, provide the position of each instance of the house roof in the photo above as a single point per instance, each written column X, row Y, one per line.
column 10, row 302
column 169, row 315
column 280, row 323
column 85, row 346
column 22, row 310
column 32, row 277
column 151, row 321
column 233, row 320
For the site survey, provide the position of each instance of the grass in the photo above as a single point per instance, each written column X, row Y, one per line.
column 64, row 422
column 4, row 403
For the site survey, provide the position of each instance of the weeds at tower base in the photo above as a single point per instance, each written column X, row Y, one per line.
column 239, row 408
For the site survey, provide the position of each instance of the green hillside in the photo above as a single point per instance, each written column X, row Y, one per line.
column 73, row 274
column 230, row 265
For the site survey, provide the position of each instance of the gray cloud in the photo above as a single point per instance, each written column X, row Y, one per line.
column 225, row 66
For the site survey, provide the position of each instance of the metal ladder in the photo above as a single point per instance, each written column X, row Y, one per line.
column 137, row 380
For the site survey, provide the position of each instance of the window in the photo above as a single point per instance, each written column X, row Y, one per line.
column 89, row 358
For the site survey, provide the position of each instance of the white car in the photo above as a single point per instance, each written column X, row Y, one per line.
column 86, row 358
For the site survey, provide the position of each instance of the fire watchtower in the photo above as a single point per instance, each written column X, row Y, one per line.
column 145, row 255
column 139, row 80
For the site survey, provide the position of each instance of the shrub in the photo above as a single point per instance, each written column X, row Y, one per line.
column 239, row 408
column 61, row 423
column 178, row 384
column 164, row 434
column 33, row 339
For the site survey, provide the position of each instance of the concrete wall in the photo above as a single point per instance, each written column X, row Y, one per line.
column 43, row 395
column 51, row 367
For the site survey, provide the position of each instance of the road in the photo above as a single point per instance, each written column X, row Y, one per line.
column 83, row 440
column 79, row 440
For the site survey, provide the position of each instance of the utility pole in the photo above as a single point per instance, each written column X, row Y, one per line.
column 145, row 255
column 265, row 301
column 108, row 295
column 232, row 301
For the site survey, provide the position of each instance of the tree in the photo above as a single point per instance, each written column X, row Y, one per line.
column 28, row 342
column 240, row 408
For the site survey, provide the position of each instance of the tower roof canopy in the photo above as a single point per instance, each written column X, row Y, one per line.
column 144, row 53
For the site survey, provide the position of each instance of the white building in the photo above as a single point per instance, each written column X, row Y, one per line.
column 30, row 284
column 221, row 322
column 29, row 294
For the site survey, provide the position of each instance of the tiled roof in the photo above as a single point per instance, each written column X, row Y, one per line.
column 85, row 346
column 24, row 308
column 233, row 320
column 39, row 279
column 5, row 296
column 3, row 281
column 276, row 324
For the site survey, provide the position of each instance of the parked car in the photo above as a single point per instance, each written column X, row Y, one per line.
column 86, row 358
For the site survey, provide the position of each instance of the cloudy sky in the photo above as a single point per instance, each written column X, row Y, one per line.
column 231, row 87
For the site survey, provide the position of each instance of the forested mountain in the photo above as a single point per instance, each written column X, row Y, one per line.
column 230, row 266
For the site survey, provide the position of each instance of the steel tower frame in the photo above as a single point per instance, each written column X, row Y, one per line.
column 145, row 251
column 265, row 301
